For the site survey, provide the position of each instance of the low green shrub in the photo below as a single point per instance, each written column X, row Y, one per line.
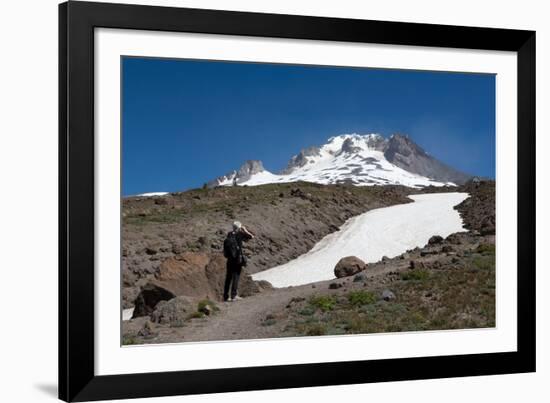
column 317, row 329
column 129, row 340
column 203, row 306
column 486, row 248
column 415, row 275
column 358, row 298
column 323, row 302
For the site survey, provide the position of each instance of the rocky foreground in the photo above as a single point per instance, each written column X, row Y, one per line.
column 448, row 284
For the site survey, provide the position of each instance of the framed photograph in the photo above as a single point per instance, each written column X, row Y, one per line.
column 257, row 201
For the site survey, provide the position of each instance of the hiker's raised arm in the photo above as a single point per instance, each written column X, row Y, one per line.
column 247, row 232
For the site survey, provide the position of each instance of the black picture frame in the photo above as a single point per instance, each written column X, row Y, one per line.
column 77, row 21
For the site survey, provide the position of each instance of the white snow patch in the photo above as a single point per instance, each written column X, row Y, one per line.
column 152, row 194
column 127, row 313
column 387, row 231
column 262, row 178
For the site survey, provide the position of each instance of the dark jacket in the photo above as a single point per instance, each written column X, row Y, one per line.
column 241, row 237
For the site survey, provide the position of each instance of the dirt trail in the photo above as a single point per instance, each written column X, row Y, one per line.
column 245, row 319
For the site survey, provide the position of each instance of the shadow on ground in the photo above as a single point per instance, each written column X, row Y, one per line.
column 48, row 389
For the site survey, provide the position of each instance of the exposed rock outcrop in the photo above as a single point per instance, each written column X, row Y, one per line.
column 400, row 150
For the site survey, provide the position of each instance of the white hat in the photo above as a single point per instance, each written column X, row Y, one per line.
column 237, row 225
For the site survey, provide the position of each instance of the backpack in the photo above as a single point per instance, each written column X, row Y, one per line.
column 231, row 249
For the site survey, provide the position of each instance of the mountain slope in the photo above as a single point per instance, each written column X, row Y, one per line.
column 404, row 153
column 360, row 160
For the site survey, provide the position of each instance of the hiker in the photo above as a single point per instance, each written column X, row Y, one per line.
column 236, row 260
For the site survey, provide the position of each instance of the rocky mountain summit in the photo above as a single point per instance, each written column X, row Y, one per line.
column 243, row 174
column 361, row 160
column 403, row 152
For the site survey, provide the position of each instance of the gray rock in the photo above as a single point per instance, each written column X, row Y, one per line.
column 151, row 250
column 428, row 252
column 455, row 239
column 359, row 277
column 147, row 331
column 129, row 295
column 447, row 249
column 244, row 173
column 434, row 240
column 148, row 298
column 301, row 159
column 161, row 201
column 348, row 146
column 387, row 295
column 173, row 312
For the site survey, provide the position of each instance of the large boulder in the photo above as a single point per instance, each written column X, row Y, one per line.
column 129, row 295
column 215, row 273
column 173, row 312
column 184, row 274
column 434, row 240
column 196, row 275
column 148, row 298
column 348, row 266
column 455, row 238
column 201, row 275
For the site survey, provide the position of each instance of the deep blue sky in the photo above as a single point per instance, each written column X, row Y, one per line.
column 186, row 122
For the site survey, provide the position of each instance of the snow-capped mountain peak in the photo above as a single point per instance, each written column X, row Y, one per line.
column 347, row 142
column 358, row 159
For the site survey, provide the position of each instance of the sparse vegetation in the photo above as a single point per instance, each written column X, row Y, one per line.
column 359, row 298
column 415, row 275
column 196, row 315
column 323, row 302
column 431, row 298
column 486, row 248
column 128, row 340
column 307, row 311
column 207, row 307
column 177, row 323
column 269, row 320
column 316, row 329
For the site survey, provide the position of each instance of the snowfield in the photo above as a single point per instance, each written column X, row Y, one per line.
column 387, row 231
